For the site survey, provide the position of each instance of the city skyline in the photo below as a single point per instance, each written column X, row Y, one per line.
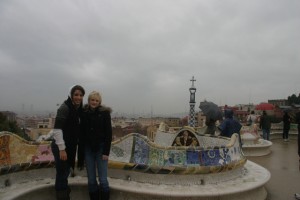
column 32, row 112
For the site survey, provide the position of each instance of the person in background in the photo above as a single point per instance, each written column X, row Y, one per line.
column 211, row 126
column 251, row 119
column 96, row 141
column 65, row 139
column 286, row 126
column 230, row 125
column 265, row 125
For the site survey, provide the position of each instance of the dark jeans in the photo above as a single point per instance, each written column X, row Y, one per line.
column 286, row 133
column 266, row 134
column 94, row 163
column 62, row 170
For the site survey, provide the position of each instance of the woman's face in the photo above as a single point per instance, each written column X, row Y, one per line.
column 77, row 97
column 94, row 102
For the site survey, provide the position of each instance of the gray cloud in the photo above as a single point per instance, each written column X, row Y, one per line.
column 142, row 54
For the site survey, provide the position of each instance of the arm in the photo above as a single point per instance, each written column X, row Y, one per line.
column 58, row 137
column 222, row 127
column 108, row 138
column 62, row 114
column 248, row 118
column 81, row 143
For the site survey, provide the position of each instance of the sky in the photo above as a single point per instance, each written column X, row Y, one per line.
column 141, row 54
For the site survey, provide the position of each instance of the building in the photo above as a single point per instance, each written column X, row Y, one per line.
column 46, row 123
column 173, row 121
column 279, row 102
column 150, row 121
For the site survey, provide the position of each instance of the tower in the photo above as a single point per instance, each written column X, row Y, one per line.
column 192, row 103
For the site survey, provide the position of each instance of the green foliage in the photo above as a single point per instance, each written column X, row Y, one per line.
column 138, row 128
column 10, row 126
column 2, row 118
column 293, row 99
column 3, row 123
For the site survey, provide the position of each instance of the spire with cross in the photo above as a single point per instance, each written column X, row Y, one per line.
column 192, row 89
column 193, row 80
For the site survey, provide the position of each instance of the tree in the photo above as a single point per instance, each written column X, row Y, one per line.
column 10, row 126
column 4, row 125
column 293, row 99
column 138, row 128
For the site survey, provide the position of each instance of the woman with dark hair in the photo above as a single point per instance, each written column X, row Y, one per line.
column 65, row 139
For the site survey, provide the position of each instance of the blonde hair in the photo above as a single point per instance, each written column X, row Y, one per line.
column 95, row 94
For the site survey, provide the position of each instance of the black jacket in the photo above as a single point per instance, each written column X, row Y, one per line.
column 96, row 129
column 265, row 122
column 286, row 121
column 68, row 119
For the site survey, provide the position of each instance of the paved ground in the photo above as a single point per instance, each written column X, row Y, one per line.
column 283, row 164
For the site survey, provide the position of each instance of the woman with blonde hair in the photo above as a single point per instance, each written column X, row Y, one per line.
column 96, row 141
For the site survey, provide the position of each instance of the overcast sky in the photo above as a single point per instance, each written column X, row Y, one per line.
column 142, row 54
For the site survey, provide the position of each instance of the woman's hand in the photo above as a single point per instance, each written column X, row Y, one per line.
column 63, row 155
column 104, row 157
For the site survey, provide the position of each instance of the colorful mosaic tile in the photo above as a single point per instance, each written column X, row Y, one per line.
column 141, row 151
column 193, row 157
column 43, row 154
column 135, row 152
column 156, row 157
column 149, row 157
column 121, row 150
column 15, row 150
column 175, row 158
column 4, row 150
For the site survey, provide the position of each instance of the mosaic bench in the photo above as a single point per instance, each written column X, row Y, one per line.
column 140, row 168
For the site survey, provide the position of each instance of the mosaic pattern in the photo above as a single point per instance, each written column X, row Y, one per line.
column 4, row 151
column 18, row 154
column 141, row 151
column 135, row 152
column 193, row 157
column 185, row 138
column 43, row 154
column 121, row 149
column 150, row 157
column 205, row 141
column 175, row 158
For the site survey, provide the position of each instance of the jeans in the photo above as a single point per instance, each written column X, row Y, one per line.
column 266, row 134
column 286, row 133
column 94, row 163
column 62, row 170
